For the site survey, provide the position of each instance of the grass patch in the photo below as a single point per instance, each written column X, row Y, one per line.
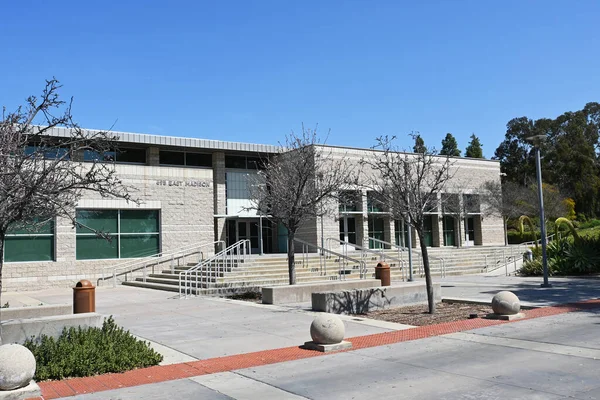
column 80, row 352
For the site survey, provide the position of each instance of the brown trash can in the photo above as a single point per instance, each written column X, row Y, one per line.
column 382, row 271
column 84, row 297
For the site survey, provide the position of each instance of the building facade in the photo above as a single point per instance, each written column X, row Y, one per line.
column 193, row 191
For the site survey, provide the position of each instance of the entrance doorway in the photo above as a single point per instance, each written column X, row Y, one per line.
column 348, row 229
column 449, row 231
column 376, row 231
column 428, row 231
column 470, row 231
column 242, row 229
column 401, row 232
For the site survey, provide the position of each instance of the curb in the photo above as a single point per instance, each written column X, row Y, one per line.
column 156, row 374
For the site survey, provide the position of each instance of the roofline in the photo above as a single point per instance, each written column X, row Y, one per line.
column 405, row 152
column 142, row 138
column 192, row 143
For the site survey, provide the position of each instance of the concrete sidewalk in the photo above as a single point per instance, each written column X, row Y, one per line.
column 546, row 358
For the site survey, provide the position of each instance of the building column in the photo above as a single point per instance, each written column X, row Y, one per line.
column 153, row 156
column 219, row 194
column 363, row 222
column 389, row 230
column 478, row 240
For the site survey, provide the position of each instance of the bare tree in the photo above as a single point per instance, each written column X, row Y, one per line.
column 507, row 200
column 296, row 184
column 554, row 202
column 510, row 200
column 42, row 176
column 410, row 184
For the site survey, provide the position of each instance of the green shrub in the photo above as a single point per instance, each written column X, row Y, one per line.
column 591, row 223
column 531, row 268
column 89, row 351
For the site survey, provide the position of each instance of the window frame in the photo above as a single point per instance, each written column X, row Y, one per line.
column 118, row 234
column 185, row 159
column 33, row 234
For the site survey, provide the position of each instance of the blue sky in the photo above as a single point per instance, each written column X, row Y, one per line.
column 254, row 70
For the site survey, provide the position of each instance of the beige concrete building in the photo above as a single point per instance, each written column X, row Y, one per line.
column 194, row 191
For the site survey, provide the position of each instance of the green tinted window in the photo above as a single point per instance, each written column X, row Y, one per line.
column 135, row 233
column 28, row 229
column 28, row 242
column 94, row 247
column 138, row 245
column 90, row 221
column 24, row 248
column 137, row 221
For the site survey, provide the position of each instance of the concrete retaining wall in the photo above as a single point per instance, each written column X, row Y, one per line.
column 36, row 311
column 359, row 301
column 302, row 292
column 18, row 330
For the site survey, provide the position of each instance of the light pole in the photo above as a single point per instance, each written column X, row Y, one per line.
column 536, row 140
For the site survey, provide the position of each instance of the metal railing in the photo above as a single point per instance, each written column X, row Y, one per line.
column 416, row 255
column 210, row 269
column 364, row 251
column 501, row 259
column 174, row 258
column 539, row 241
column 344, row 260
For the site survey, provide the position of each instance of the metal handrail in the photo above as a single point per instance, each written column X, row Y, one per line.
column 131, row 266
column 538, row 241
column 501, row 262
column 392, row 245
column 343, row 259
column 364, row 251
column 213, row 266
column 416, row 254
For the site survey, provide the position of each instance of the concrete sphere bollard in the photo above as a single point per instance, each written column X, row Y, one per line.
column 327, row 329
column 17, row 366
column 506, row 303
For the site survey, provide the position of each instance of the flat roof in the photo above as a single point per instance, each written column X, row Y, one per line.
column 192, row 143
column 141, row 138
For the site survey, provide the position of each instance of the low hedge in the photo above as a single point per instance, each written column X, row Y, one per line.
column 517, row 237
column 82, row 352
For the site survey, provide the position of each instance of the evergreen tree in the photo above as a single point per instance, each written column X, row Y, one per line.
column 474, row 150
column 449, row 146
column 419, row 146
column 569, row 157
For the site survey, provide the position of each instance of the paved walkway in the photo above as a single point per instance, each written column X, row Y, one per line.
column 221, row 349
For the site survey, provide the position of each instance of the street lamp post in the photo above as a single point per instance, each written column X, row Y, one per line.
column 538, row 167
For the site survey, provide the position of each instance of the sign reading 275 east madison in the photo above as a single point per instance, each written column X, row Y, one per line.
column 200, row 184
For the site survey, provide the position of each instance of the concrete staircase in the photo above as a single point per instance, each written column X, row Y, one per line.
column 254, row 273
column 272, row 270
column 471, row 260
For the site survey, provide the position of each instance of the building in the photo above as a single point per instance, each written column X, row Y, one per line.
column 196, row 191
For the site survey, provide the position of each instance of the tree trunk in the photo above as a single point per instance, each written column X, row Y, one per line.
column 291, row 258
column 428, row 282
column 504, row 222
column 1, row 266
column 460, row 238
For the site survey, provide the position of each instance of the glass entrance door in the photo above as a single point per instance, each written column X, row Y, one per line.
column 428, row 231
column 376, row 231
column 470, row 231
column 449, row 232
column 248, row 229
column 401, row 232
column 348, row 229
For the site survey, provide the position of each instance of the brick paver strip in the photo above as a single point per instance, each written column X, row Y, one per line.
column 71, row 387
